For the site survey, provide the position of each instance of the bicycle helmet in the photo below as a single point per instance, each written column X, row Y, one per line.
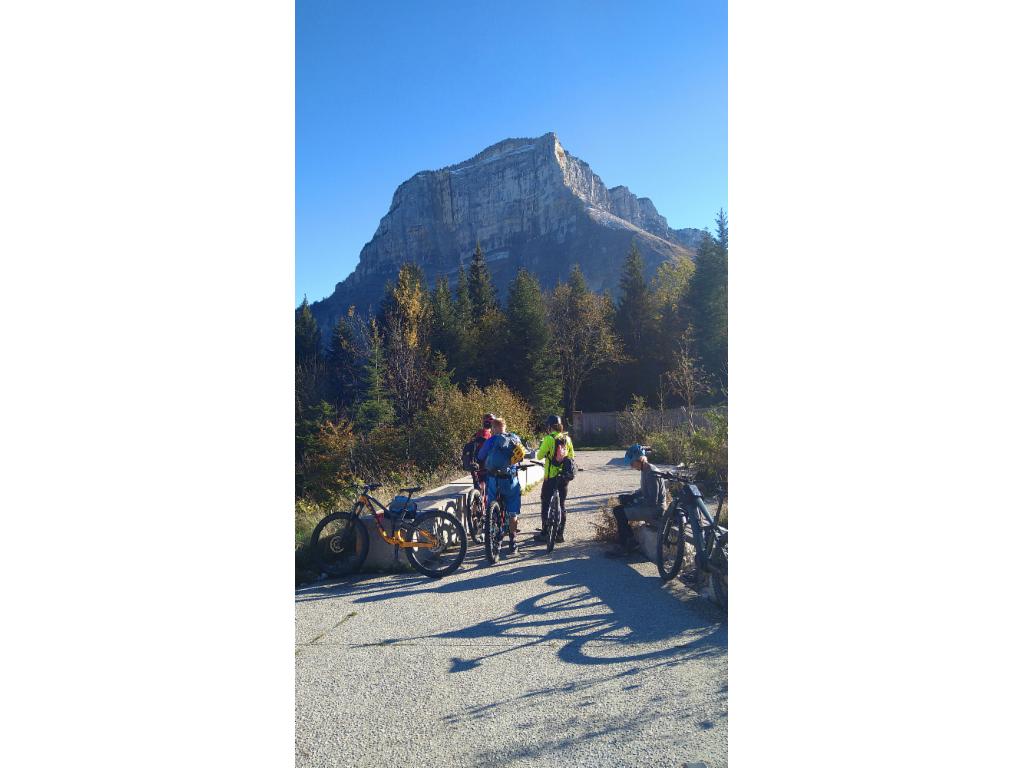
column 488, row 418
column 554, row 421
column 634, row 452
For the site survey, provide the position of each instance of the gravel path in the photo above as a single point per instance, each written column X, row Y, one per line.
column 568, row 659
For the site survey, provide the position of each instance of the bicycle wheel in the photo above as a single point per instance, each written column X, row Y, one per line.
column 475, row 515
column 720, row 576
column 554, row 519
column 671, row 545
column 339, row 543
column 448, row 547
column 492, row 532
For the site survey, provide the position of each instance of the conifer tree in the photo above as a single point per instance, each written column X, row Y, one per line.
column 464, row 354
column 531, row 362
column 634, row 323
column 444, row 326
column 374, row 407
column 481, row 291
column 463, row 303
column 307, row 334
column 709, row 298
column 343, row 368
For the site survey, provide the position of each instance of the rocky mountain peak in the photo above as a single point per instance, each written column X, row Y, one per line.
column 529, row 203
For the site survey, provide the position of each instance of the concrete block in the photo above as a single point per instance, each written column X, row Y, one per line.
column 648, row 538
column 453, row 496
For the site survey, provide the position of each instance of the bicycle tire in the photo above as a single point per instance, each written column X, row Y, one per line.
column 448, row 532
column 554, row 520
column 492, row 533
column 339, row 543
column 700, row 544
column 475, row 515
column 671, row 545
column 720, row 577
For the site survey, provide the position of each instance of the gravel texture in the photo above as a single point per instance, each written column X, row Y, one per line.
column 568, row 659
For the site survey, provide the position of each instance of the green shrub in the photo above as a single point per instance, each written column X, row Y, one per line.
column 705, row 451
column 634, row 422
column 669, row 446
column 426, row 451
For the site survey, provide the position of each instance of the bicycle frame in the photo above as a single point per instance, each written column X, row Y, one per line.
column 500, row 498
column 707, row 533
column 369, row 501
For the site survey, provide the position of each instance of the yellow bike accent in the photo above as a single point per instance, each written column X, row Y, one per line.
column 429, row 542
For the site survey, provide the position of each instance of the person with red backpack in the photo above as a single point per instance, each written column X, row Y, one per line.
column 470, row 450
column 559, row 464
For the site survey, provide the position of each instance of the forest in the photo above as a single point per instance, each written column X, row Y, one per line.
column 392, row 397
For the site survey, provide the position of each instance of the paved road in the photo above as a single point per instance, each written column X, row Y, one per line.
column 569, row 659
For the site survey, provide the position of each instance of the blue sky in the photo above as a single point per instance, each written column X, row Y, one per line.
column 387, row 89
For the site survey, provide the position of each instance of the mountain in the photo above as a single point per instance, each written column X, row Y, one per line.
column 529, row 203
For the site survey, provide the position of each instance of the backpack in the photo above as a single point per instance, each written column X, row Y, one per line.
column 568, row 470
column 469, row 455
column 504, row 452
column 561, row 449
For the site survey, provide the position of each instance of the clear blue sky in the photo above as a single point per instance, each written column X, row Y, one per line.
column 387, row 89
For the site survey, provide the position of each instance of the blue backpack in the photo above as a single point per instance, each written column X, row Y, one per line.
column 503, row 452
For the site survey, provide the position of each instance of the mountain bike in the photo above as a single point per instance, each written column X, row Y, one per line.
column 556, row 519
column 496, row 520
column 476, row 503
column 434, row 541
column 710, row 539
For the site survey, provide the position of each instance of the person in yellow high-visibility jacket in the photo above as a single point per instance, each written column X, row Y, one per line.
column 552, row 472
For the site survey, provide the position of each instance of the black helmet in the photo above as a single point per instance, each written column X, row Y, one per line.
column 554, row 422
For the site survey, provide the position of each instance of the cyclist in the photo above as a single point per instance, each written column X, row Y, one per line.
column 645, row 505
column 502, row 445
column 555, row 442
column 482, row 436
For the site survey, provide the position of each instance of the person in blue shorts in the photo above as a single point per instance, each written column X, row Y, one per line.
column 506, row 486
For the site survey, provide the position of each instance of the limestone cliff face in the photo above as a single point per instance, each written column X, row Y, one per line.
column 528, row 203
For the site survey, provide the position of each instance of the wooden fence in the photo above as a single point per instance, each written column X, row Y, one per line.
column 602, row 428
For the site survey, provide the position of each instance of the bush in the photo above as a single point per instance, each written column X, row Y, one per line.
column 707, row 450
column 634, row 423
column 454, row 416
column 605, row 529
column 668, row 446
column 425, row 452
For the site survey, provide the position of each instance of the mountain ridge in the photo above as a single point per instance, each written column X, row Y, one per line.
column 529, row 203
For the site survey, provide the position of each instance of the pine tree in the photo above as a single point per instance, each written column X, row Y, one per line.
column 342, row 362
column 634, row 323
column 374, row 407
column 464, row 354
column 531, row 363
column 709, row 298
column 481, row 291
column 463, row 302
column 307, row 334
column 444, row 327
